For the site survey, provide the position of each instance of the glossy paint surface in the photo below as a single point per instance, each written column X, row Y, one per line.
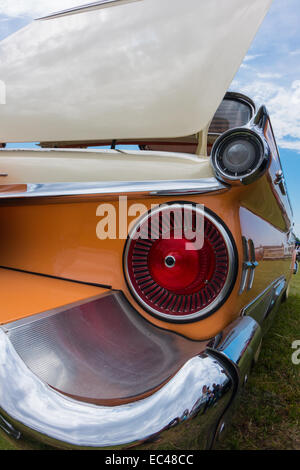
column 266, row 223
column 24, row 295
column 61, row 166
column 65, row 232
column 137, row 70
column 273, row 252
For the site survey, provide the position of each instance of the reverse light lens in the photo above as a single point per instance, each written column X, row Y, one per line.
column 171, row 281
column 238, row 154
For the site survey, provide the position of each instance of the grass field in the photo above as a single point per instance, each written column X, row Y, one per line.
column 268, row 416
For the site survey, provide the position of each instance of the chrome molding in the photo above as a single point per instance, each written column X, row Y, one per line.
column 112, row 188
column 280, row 181
column 253, row 263
column 88, row 7
column 249, row 265
column 260, row 120
column 9, row 429
column 260, row 307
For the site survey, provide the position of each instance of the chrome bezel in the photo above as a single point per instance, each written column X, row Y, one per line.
column 231, row 276
column 241, row 98
column 259, row 168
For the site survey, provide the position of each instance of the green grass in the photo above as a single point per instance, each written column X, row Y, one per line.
column 268, row 416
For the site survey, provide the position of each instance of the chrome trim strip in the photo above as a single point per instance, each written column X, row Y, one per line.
column 249, row 265
column 9, row 429
column 144, row 188
column 245, row 265
column 88, row 7
column 253, row 262
column 280, row 181
column 30, row 404
column 296, row 268
column 259, row 307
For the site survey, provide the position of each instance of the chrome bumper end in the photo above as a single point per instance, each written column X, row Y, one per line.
column 200, row 393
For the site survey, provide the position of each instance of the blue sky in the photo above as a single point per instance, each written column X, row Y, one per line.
column 270, row 73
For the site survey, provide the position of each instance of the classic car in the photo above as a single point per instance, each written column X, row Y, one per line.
column 138, row 280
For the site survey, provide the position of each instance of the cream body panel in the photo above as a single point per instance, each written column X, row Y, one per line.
column 145, row 69
column 56, row 166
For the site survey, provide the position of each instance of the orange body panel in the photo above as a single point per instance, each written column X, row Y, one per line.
column 57, row 237
column 23, row 295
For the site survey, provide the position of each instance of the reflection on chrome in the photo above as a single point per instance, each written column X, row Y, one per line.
column 152, row 188
column 201, row 383
column 202, row 389
column 87, row 7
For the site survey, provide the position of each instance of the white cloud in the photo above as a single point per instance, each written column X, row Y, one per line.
column 245, row 66
column 269, row 75
column 288, row 144
column 250, row 57
column 34, row 8
column 283, row 103
column 297, row 229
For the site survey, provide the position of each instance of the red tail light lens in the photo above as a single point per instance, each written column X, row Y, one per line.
column 169, row 273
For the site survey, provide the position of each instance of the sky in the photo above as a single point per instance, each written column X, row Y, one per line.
column 270, row 73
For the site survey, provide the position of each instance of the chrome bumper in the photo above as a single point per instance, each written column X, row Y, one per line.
column 204, row 389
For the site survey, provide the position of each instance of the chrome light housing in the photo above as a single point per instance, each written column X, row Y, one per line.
column 240, row 156
column 172, row 278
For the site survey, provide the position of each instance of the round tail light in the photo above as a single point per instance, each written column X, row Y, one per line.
column 173, row 275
